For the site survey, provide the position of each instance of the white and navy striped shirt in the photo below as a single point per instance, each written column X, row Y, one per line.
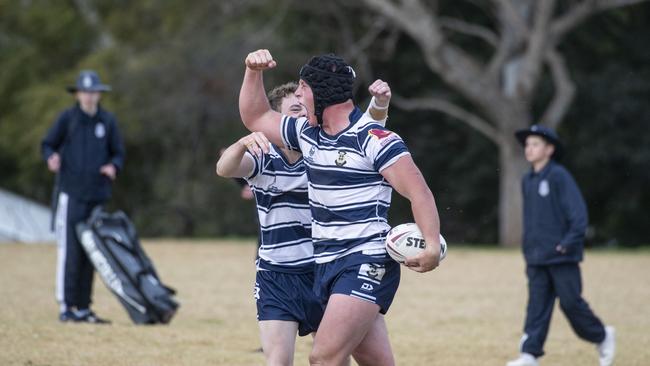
column 280, row 190
column 348, row 197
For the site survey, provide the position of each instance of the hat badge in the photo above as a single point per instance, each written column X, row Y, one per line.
column 87, row 81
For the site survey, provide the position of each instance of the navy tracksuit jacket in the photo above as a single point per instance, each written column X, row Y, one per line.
column 554, row 214
column 85, row 144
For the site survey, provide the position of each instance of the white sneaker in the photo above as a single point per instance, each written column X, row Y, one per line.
column 525, row 359
column 607, row 348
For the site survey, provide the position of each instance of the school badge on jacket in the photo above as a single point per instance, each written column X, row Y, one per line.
column 543, row 189
column 100, row 130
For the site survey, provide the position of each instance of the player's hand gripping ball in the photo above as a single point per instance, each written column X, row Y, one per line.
column 406, row 241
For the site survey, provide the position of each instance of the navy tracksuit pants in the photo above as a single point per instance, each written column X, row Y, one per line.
column 74, row 273
column 545, row 283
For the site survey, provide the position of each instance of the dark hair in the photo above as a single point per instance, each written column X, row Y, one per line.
column 278, row 93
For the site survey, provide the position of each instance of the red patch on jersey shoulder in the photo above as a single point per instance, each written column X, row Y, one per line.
column 380, row 134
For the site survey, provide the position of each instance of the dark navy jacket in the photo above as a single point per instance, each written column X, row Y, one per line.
column 84, row 146
column 554, row 213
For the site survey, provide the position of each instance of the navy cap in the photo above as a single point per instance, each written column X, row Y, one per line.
column 546, row 133
column 88, row 81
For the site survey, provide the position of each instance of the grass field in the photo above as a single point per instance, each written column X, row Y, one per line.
column 468, row 312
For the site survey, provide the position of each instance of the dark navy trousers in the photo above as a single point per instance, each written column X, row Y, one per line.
column 74, row 273
column 545, row 283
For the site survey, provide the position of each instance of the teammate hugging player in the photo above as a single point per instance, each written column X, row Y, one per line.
column 285, row 300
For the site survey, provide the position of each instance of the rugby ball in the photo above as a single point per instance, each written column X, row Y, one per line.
column 406, row 241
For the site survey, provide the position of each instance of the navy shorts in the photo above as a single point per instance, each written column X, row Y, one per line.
column 288, row 296
column 358, row 275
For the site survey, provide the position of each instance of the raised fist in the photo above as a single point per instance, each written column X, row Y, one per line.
column 260, row 60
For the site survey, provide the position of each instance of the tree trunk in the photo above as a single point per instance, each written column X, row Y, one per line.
column 513, row 165
column 529, row 35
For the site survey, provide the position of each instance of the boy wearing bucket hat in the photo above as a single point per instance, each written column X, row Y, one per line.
column 84, row 148
column 555, row 220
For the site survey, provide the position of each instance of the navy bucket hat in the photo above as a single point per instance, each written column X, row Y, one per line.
column 88, row 81
column 544, row 132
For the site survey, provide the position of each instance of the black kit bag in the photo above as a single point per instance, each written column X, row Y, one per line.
column 112, row 245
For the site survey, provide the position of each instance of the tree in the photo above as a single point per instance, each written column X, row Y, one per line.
column 176, row 68
column 500, row 87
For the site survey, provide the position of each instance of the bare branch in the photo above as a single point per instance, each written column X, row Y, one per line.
column 369, row 38
column 581, row 11
column 469, row 29
column 451, row 109
column 513, row 31
column 354, row 49
column 510, row 17
column 390, row 44
column 456, row 67
column 515, row 35
column 533, row 58
column 572, row 18
column 414, row 19
column 564, row 90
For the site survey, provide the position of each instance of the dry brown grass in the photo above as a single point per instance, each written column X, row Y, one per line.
column 468, row 312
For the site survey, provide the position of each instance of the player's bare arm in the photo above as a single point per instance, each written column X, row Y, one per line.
column 407, row 180
column 380, row 91
column 234, row 163
column 254, row 108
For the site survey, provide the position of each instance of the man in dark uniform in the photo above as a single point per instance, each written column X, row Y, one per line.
column 555, row 220
column 85, row 150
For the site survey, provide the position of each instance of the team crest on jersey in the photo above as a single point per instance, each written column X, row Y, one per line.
column 100, row 130
column 274, row 189
column 384, row 136
column 373, row 271
column 340, row 161
column 379, row 134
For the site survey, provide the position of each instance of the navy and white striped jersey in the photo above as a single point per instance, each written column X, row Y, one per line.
column 348, row 197
column 280, row 190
